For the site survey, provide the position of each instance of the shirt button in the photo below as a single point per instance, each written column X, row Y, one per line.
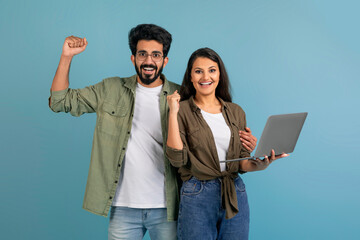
column 128, row 132
column 118, row 165
column 110, row 197
column 113, row 112
column 116, row 181
column 123, row 148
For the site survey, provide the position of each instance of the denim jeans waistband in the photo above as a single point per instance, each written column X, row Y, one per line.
column 211, row 180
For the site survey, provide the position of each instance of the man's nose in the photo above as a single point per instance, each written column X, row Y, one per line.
column 148, row 59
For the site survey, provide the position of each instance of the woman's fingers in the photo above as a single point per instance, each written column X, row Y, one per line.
column 247, row 139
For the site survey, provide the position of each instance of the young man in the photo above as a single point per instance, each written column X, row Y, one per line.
column 128, row 170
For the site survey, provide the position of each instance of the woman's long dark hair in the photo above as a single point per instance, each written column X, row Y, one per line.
column 222, row 90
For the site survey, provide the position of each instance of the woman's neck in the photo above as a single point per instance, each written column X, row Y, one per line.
column 208, row 104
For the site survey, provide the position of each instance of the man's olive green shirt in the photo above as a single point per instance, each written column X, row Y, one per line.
column 113, row 101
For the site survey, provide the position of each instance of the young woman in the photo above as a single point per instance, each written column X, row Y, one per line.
column 203, row 129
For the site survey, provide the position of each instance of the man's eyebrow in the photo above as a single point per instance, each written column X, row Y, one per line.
column 143, row 51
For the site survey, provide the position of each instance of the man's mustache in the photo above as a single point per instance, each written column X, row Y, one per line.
column 148, row 66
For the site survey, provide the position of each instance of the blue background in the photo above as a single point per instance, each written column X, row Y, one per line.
column 282, row 56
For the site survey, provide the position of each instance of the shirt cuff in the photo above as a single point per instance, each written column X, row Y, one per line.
column 55, row 97
column 60, row 93
column 178, row 158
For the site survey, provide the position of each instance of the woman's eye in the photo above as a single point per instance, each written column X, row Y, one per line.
column 212, row 70
column 197, row 71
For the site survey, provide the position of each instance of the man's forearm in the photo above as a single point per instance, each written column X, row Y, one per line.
column 61, row 79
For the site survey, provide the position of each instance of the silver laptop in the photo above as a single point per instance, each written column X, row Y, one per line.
column 281, row 133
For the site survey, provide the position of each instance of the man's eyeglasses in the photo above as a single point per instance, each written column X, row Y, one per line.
column 155, row 56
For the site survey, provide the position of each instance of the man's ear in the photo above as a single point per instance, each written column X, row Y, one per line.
column 166, row 60
column 133, row 59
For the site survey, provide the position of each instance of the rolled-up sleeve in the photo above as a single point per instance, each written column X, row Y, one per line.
column 177, row 158
column 77, row 101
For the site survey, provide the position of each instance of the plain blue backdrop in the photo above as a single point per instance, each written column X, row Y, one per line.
column 282, row 56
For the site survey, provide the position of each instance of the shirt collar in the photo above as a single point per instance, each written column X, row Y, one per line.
column 194, row 107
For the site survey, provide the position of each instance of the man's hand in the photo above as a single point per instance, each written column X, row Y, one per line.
column 247, row 139
column 73, row 46
column 173, row 102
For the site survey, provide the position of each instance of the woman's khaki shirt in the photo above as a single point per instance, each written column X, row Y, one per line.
column 199, row 157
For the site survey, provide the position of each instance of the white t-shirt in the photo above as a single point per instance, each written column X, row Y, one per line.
column 221, row 133
column 142, row 180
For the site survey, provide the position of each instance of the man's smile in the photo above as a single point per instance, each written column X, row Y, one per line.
column 148, row 69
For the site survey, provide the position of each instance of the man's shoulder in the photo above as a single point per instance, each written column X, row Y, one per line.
column 117, row 83
column 173, row 86
column 116, row 80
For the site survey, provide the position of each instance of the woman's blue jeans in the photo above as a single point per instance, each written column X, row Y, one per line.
column 201, row 215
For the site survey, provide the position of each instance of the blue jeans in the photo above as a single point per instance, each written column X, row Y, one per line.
column 201, row 215
column 132, row 223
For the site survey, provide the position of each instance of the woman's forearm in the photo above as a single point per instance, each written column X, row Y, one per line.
column 174, row 139
column 248, row 166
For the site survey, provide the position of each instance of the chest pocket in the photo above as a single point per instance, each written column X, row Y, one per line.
column 193, row 137
column 112, row 118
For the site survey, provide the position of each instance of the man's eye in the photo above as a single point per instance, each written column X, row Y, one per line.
column 156, row 55
column 141, row 54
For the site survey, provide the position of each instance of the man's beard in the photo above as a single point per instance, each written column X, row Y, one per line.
column 147, row 80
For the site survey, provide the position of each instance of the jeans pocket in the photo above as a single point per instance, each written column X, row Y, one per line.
column 239, row 184
column 192, row 187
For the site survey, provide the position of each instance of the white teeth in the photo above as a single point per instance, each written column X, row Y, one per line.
column 206, row 83
column 148, row 69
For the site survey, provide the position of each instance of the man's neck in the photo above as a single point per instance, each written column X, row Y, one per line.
column 156, row 83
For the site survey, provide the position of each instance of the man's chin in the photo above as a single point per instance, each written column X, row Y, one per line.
column 147, row 80
column 148, row 76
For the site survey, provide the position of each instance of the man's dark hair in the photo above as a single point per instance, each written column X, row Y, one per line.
column 223, row 88
column 149, row 32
